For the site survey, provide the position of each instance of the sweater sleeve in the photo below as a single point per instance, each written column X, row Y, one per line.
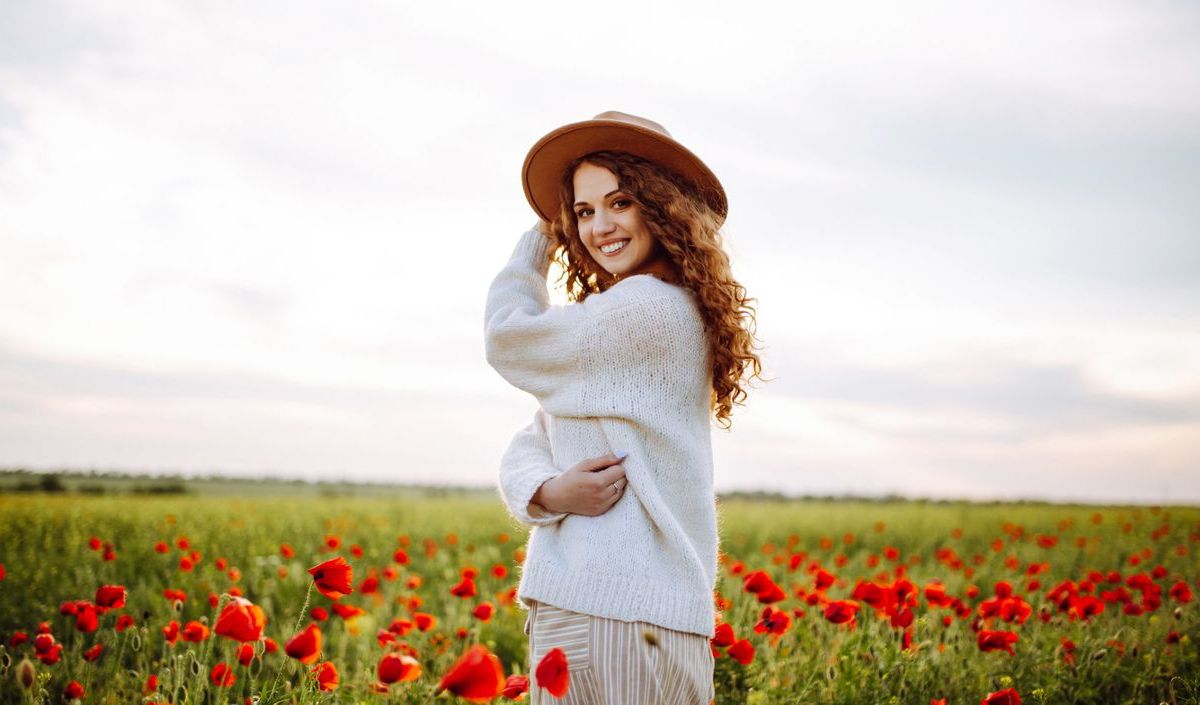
column 572, row 358
column 526, row 464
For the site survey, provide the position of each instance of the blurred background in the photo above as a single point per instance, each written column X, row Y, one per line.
column 255, row 239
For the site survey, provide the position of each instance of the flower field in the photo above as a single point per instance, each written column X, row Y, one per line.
column 314, row 600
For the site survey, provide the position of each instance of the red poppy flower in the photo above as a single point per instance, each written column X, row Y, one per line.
column 171, row 632
column 724, row 636
column 552, row 673
column 333, row 578
column 195, row 631
column 151, row 684
column 93, row 653
column 245, row 654
column 483, row 611
column 476, row 676
column 756, row 581
column 73, row 691
column 319, row 613
column 112, row 596
column 241, row 620
column 286, row 550
column 86, row 618
column 305, row 647
column 124, row 622
column 51, row 656
column 996, row 640
column 172, row 594
column 773, row 621
column 515, row 687
column 398, row 668
column 465, row 587
column 222, row 675
column 742, row 651
column 841, row 612
column 347, row 611
column 1008, row 696
column 424, row 621
column 327, row 675
column 161, row 547
column 1181, row 592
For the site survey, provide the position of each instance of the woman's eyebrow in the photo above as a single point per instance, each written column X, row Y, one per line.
column 584, row 203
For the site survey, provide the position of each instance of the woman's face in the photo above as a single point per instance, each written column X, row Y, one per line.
column 611, row 228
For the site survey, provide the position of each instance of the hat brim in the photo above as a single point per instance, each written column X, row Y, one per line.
column 547, row 160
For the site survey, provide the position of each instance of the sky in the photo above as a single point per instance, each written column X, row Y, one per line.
column 256, row 238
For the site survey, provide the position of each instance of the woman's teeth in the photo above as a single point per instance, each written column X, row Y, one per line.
column 609, row 249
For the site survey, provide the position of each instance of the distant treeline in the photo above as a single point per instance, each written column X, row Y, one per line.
column 29, row 481
column 96, row 482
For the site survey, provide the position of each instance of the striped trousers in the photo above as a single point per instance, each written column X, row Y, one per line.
column 610, row 662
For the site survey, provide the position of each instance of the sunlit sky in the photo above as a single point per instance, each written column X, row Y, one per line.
column 256, row 238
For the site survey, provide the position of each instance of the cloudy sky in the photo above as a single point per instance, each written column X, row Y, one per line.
column 256, row 238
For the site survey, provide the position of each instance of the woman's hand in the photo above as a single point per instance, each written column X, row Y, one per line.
column 587, row 488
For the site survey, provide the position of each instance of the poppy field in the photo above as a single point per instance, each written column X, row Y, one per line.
column 188, row 600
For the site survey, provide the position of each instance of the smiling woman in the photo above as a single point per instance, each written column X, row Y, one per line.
column 628, row 376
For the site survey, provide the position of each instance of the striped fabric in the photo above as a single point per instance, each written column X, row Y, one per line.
column 611, row 662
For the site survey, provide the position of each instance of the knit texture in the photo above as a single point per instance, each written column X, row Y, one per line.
column 625, row 370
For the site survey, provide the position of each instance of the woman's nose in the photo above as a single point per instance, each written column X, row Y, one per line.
column 601, row 223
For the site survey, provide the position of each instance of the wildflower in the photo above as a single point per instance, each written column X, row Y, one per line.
column 515, row 687
column 222, row 675
column 483, row 611
column 305, row 646
column 398, row 668
column 476, row 676
column 552, row 673
column 841, row 612
column 741, row 651
column 245, row 654
column 1008, row 696
column 93, row 653
column 333, row 578
column 996, row 640
column 327, row 676
column 73, row 691
column 241, row 620
column 111, row 596
column 724, row 636
column 195, row 631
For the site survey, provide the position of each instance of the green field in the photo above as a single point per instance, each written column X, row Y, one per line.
column 1119, row 656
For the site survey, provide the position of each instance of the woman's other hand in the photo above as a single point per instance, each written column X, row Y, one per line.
column 586, row 488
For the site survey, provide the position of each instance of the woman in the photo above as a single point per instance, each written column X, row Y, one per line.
column 621, row 561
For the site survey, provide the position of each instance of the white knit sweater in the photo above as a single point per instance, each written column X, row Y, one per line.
column 626, row 370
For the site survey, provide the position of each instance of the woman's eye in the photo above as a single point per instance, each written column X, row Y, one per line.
column 583, row 212
column 621, row 202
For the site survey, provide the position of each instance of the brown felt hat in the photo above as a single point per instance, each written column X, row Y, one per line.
column 619, row 132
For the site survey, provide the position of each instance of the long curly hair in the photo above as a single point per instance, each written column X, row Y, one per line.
column 689, row 232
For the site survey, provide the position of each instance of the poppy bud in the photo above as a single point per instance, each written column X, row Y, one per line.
column 1178, row 613
column 25, row 674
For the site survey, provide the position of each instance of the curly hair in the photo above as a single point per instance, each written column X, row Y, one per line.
column 688, row 230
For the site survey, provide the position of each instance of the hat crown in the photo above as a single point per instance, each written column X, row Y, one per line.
column 633, row 120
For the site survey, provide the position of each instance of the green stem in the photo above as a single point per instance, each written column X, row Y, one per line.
column 299, row 620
